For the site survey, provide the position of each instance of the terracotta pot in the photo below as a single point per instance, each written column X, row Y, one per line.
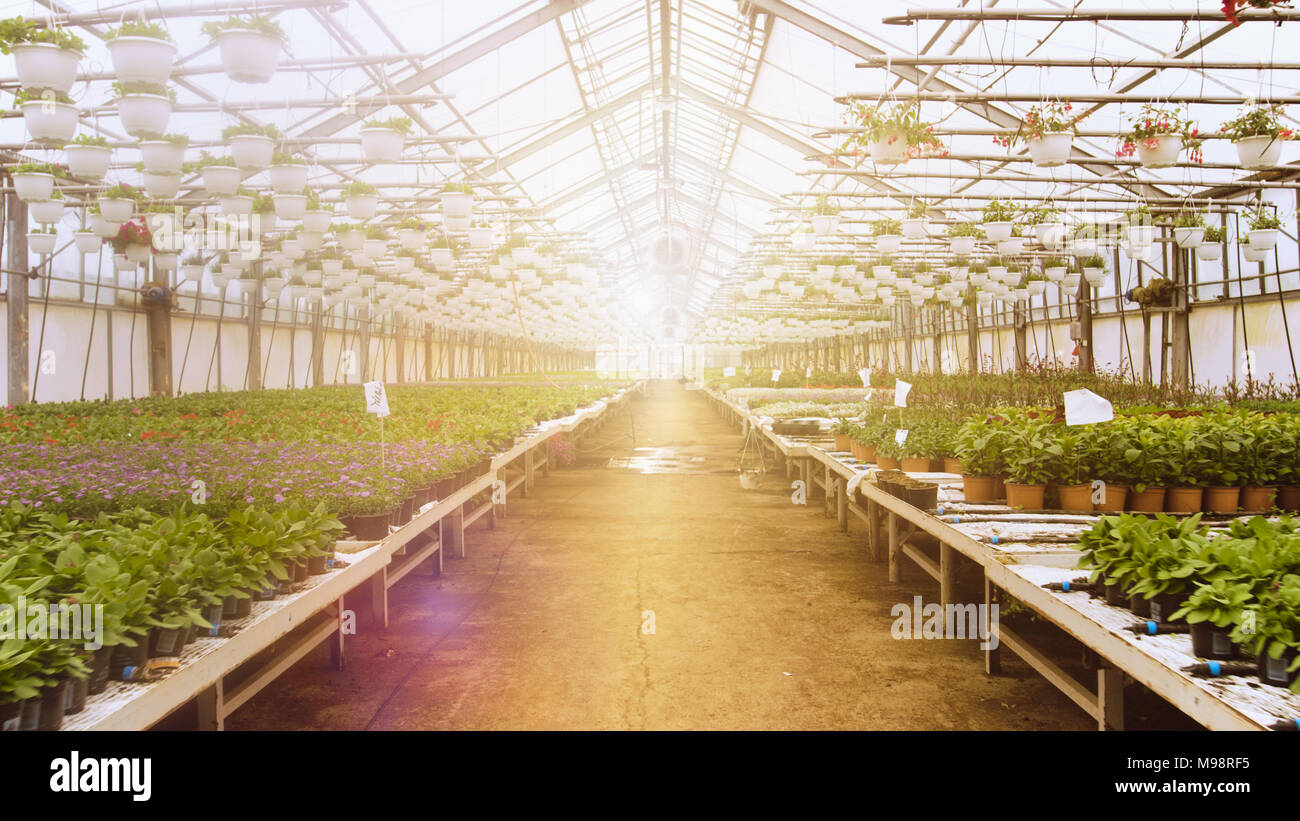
column 1288, row 498
column 887, row 463
column 915, row 464
column 1077, row 498
column 1151, row 500
column 859, row 452
column 1000, row 488
column 1183, row 500
column 843, row 443
column 1221, row 499
column 1114, row 499
column 1257, row 499
column 979, row 488
column 1025, row 497
column 951, row 465
column 869, row 453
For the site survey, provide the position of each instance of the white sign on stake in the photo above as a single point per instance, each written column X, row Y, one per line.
column 776, row 374
column 1083, row 407
column 901, row 390
column 900, row 436
column 376, row 399
column 865, row 375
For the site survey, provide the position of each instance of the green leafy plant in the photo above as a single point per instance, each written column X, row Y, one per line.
column 401, row 124
column 999, row 211
column 250, row 129
column 1258, row 121
column 138, row 28
column 261, row 23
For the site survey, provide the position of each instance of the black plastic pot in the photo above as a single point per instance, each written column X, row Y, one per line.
column 229, row 607
column 300, row 571
column 1210, row 642
column 244, row 606
column 214, row 614
column 367, row 528
column 317, row 565
column 30, row 717
column 78, row 692
column 165, row 642
column 53, row 702
column 97, row 682
column 1273, row 671
column 1115, row 596
column 127, row 661
column 1141, row 607
column 1165, row 605
column 9, row 714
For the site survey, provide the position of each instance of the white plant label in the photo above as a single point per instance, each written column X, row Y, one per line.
column 377, row 399
column 1083, row 407
column 728, row 371
column 776, row 374
column 807, row 373
column 900, row 436
column 865, row 375
column 901, row 389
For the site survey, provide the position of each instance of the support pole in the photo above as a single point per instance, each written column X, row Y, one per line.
column 19, row 389
column 255, row 330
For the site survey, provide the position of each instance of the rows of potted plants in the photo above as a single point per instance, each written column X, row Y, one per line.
column 158, row 582
column 1237, row 589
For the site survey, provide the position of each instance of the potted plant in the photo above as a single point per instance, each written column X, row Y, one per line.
column 962, row 237
column 979, row 446
column 1158, row 135
column 45, row 58
column 251, row 146
column 288, row 173
column 133, row 241
column 888, row 234
column 159, row 185
column 86, row 241
column 143, row 108
column 1275, row 634
column 457, row 201
column 35, row 181
column 1250, row 252
column 317, row 218
column 141, row 52
column 412, row 233
column 41, row 240
column 238, row 204
column 362, row 200
column 1224, row 440
column 1150, row 459
column 117, row 204
column 1189, row 228
column 219, row 174
column 382, row 140
column 891, row 134
column 913, row 227
column 1049, row 131
column 88, row 156
column 1046, row 221
column 1210, row 248
column 1212, row 609
column 1033, row 455
column 1258, row 134
column 1261, row 460
column 250, row 46
column 997, row 219
column 1264, row 225
column 50, row 116
column 1190, row 464
column 824, row 215
column 1094, row 269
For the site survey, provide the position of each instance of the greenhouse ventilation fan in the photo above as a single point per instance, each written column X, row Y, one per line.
column 669, row 250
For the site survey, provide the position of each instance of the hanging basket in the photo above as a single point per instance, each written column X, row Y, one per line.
column 288, row 178
column 88, row 161
column 1209, row 251
column 252, row 152
column 162, row 156
column 290, row 207
column 41, row 243
column 824, row 224
column 220, row 180
column 1190, row 237
column 1259, row 152
column 382, row 144
column 46, row 212
column 1051, row 149
column 144, row 115
column 362, row 206
column 317, row 221
column 87, row 242
column 161, row 185
column 248, row 56
column 1161, row 151
column 141, row 59
column 889, row 243
column 997, row 231
column 50, row 122
column 116, row 209
column 46, row 65
column 890, row 149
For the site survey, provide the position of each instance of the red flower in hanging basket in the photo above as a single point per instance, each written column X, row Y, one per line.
column 132, row 232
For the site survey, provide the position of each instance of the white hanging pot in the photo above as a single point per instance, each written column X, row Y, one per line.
column 166, row 261
column 265, row 221
column 332, row 267
column 290, row 207
column 311, row 240
column 1070, row 284
column 997, row 231
column 87, row 242
column 88, row 161
column 162, row 156
column 1095, row 276
column 192, row 273
column 374, row 248
column 236, row 205
column 1036, row 288
column 1051, row 149
column 103, row 227
column 137, row 252
column 456, row 204
column 891, row 148
column 1262, row 239
column 143, row 115
column 1050, row 235
column 252, row 152
column 220, row 180
column 46, row 212
column 352, row 240
column 161, row 185
column 1209, row 251
column 116, row 209
column 1189, row 237
column 889, row 243
column 41, row 243
column 961, row 246
column 33, row 185
column 1253, row 254
column 49, row 121
column 292, row 248
column 382, row 144
column 46, row 65
column 248, row 56
column 141, row 59
column 455, row 225
column 411, row 239
column 1055, row 273
column 1259, row 152
column 1011, row 246
column 1141, row 234
column 1161, row 151
column 914, row 228
column 317, row 221
column 404, row 265
column 288, row 178
column 362, row 206
column 480, row 238
column 823, row 224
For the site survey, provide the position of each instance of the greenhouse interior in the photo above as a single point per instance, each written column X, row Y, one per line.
column 649, row 365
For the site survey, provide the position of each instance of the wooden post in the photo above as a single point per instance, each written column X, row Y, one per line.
column 19, row 386
column 254, row 330
column 895, row 547
column 363, row 340
column 158, row 318
column 992, row 653
column 399, row 346
column 317, row 344
column 1022, row 343
column 428, row 353
column 972, row 331
column 1085, row 326
column 1180, row 334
